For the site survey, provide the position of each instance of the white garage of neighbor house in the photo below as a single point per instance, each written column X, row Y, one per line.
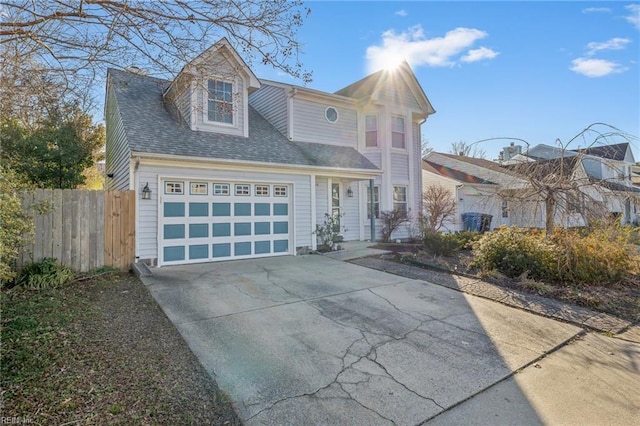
column 226, row 166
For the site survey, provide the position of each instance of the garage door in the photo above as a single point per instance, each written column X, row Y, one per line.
column 202, row 221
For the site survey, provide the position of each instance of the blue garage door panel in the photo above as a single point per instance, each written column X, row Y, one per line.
column 173, row 253
column 198, row 209
column 221, row 230
column 262, row 228
column 242, row 229
column 262, row 209
column 242, row 209
column 173, row 231
column 199, row 251
column 262, row 247
column 280, row 246
column 173, row 209
column 198, row 230
column 280, row 209
column 280, row 227
column 221, row 209
column 242, row 249
column 221, row 250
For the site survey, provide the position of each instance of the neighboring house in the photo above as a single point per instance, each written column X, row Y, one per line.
column 476, row 185
column 597, row 183
column 607, row 171
column 236, row 167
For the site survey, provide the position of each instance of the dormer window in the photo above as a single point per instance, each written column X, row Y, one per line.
column 220, row 101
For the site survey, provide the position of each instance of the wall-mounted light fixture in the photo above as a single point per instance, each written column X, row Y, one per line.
column 349, row 192
column 146, row 192
column 110, row 175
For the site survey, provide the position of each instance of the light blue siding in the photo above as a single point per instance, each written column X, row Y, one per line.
column 271, row 103
column 310, row 124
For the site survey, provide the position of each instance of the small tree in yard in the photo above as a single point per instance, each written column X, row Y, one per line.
column 439, row 206
column 391, row 220
column 328, row 231
column 16, row 227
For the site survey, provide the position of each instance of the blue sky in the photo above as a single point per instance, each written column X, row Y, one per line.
column 538, row 71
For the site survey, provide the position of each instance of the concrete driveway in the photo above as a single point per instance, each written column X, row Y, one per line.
column 313, row 340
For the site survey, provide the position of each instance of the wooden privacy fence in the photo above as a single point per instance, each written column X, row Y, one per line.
column 83, row 229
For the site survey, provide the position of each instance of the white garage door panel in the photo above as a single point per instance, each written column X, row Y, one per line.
column 204, row 221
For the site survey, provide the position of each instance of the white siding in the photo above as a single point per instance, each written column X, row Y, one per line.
column 322, row 199
column 375, row 158
column 271, row 103
column 392, row 94
column 147, row 226
column 399, row 167
column 117, row 148
column 180, row 94
column 310, row 124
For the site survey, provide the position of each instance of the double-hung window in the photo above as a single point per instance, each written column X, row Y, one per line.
column 400, row 199
column 220, row 101
column 376, row 202
column 397, row 132
column 371, row 130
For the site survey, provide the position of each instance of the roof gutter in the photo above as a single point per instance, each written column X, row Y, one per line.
column 253, row 165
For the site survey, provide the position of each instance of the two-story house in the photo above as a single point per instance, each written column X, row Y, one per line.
column 227, row 166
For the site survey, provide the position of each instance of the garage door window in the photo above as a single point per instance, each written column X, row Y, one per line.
column 174, row 188
column 220, row 189
column 199, row 188
column 262, row 190
column 243, row 189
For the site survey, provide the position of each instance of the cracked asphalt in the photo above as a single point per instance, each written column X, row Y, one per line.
column 313, row 340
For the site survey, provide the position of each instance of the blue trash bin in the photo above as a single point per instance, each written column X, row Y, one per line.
column 472, row 221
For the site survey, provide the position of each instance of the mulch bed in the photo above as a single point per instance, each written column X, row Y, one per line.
column 101, row 352
column 621, row 299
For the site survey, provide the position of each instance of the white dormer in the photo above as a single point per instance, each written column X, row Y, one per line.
column 210, row 92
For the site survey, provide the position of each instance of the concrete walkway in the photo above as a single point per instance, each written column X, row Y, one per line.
column 313, row 340
column 540, row 305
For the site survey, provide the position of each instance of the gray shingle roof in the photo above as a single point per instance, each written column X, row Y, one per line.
column 151, row 128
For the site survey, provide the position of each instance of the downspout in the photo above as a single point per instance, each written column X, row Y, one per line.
column 372, row 212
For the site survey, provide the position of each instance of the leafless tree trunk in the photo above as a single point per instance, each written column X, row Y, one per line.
column 439, row 206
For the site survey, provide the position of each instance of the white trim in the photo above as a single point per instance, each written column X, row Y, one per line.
column 361, row 209
column 222, row 164
column 313, row 94
column 314, row 212
column 134, row 182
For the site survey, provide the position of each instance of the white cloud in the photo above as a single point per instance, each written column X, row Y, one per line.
column 596, row 10
column 615, row 43
column 413, row 46
column 596, row 67
column 401, row 12
column 634, row 15
column 475, row 55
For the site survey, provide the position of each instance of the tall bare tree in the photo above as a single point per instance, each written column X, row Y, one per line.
column 77, row 39
column 467, row 150
column 439, row 206
column 570, row 183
